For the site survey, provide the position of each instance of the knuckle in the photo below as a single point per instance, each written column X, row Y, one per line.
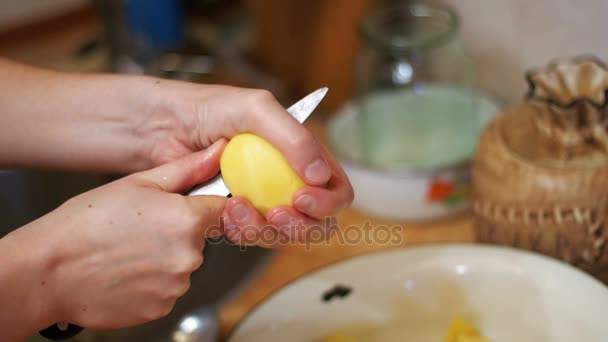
column 183, row 287
column 187, row 229
column 187, row 214
column 147, row 315
column 261, row 96
column 260, row 101
column 197, row 261
column 152, row 313
column 302, row 139
column 160, row 309
column 181, row 219
column 189, row 263
column 165, row 308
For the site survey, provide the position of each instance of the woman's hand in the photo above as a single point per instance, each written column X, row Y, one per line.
column 118, row 123
column 128, row 248
column 202, row 114
column 119, row 255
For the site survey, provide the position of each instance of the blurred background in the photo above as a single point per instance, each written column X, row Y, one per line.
column 299, row 45
column 411, row 86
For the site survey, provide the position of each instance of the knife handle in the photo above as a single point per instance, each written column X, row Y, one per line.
column 61, row 331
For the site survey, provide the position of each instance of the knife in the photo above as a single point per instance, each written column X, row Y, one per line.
column 301, row 110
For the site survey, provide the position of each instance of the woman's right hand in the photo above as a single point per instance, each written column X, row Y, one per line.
column 122, row 254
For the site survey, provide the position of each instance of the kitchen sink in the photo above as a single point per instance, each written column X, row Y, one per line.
column 26, row 195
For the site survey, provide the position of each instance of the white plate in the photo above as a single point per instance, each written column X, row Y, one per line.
column 413, row 293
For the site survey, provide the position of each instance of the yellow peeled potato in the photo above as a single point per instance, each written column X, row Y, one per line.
column 253, row 168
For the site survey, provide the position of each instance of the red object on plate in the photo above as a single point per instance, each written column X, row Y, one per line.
column 439, row 190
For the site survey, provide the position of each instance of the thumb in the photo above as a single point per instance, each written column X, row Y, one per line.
column 209, row 210
column 182, row 174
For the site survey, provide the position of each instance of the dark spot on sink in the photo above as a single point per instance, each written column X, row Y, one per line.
column 338, row 291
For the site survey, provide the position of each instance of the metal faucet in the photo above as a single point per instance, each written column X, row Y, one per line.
column 130, row 57
column 117, row 36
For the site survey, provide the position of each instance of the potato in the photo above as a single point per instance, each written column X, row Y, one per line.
column 253, row 168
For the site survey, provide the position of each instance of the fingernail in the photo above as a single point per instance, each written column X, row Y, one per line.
column 281, row 219
column 212, row 150
column 228, row 224
column 239, row 212
column 304, row 203
column 318, row 171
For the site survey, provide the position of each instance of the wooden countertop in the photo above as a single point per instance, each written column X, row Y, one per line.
column 291, row 262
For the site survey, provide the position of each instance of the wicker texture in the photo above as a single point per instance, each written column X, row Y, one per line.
column 540, row 173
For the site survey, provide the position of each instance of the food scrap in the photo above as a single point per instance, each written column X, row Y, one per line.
column 461, row 330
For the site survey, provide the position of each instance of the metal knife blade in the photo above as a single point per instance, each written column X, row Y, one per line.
column 301, row 110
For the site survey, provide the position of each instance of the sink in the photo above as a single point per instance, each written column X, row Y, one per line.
column 26, row 195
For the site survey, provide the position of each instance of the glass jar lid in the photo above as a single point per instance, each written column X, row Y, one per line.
column 408, row 27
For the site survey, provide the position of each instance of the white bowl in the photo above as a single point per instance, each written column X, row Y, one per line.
column 403, row 194
column 413, row 293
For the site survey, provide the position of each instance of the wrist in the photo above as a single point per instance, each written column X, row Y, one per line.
column 163, row 122
column 130, row 112
column 37, row 260
column 114, row 122
column 28, row 273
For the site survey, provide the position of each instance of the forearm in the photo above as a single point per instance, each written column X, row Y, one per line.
column 70, row 121
column 26, row 305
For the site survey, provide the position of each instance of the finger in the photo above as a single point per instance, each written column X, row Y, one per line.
column 299, row 146
column 245, row 226
column 208, row 211
column 294, row 226
column 321, row 202
column 184, row 173
column 258, row 112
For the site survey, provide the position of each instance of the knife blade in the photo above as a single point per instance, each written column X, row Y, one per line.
column 301, row 110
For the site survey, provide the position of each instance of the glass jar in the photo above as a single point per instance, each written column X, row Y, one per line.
column 414, row 86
